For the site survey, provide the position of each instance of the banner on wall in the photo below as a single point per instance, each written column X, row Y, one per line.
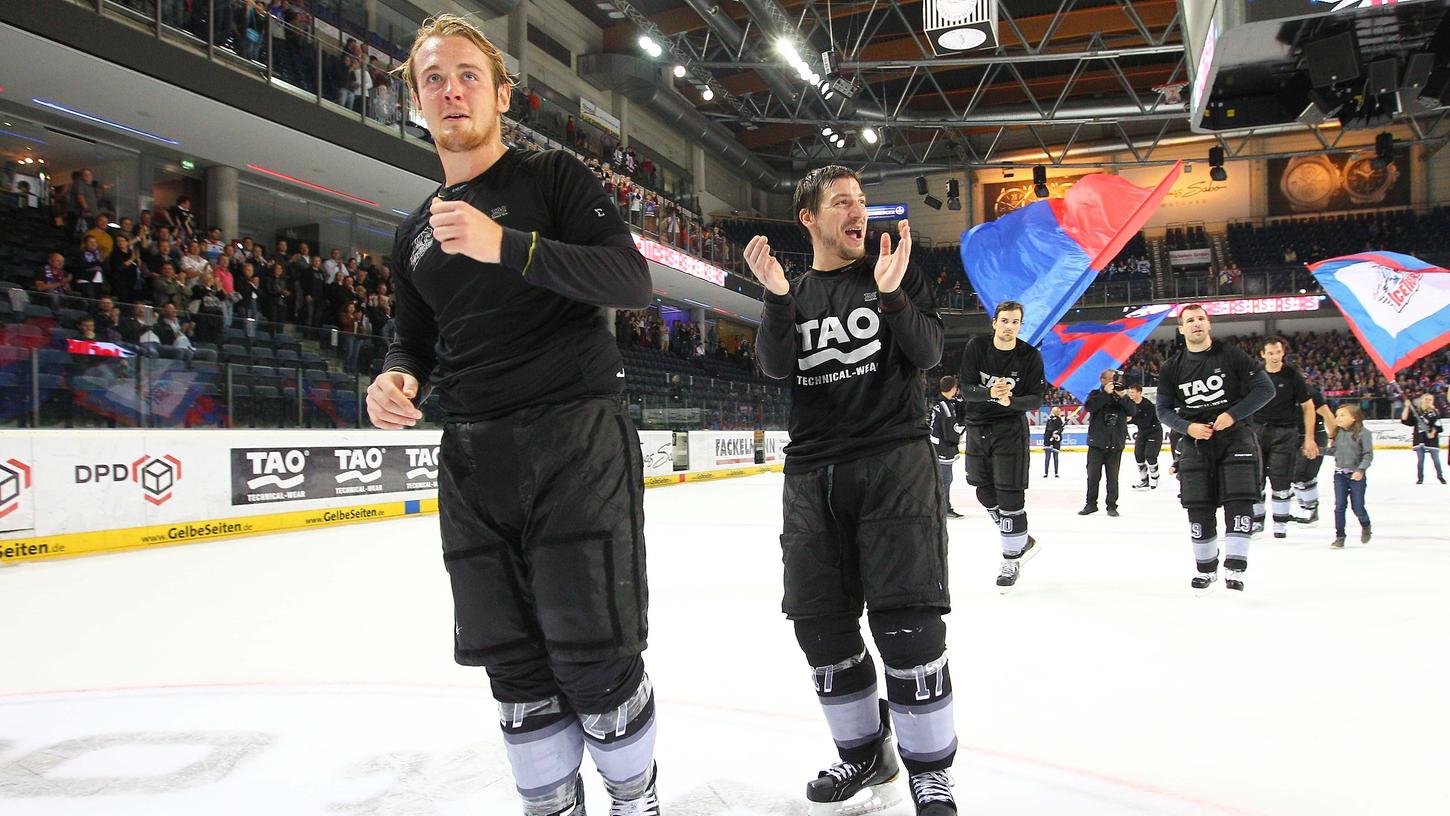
column 1337, row 181
column 658, row 450
column 598, row 117
column 774, row 446
column 1005, row 196
column 268, row 475
column 1190, row 257
column 712, row 450
column 1195, row 196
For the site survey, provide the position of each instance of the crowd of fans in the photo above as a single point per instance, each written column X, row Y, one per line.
column 198, row 284
column 682, row 338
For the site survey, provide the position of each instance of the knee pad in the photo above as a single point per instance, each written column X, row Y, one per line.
column 1011, row 501
column 987, row 497
column 909, row 637
column 840, row 664
column 522, row 680
column 601, row 685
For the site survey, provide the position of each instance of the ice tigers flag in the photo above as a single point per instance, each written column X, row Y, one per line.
column 1397, row 305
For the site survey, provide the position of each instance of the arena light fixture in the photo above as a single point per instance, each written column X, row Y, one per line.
column 1215, row 164
column 679, row 72
column 869, row 134
column 1039, row 181
column 55, row 106
column 825, row 131
column 310, row 185
column 707, row 94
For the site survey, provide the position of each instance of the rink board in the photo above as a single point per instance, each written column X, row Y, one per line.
column 67, row 493
column 1389, row 434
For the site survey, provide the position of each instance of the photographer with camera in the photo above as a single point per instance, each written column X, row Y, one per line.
column 1107, row 433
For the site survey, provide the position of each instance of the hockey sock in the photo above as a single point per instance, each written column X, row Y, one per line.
column 987, row 497
column 1237, row 518
column 912, row 643
column 1153, row 471
column 545, row 746
column 1143, row 472
column 848, row 695
column 1013, row 526
column 1308, row 494
column 1258, row 513
column 1279, row 503
column 1203, row 531
column 622, row 743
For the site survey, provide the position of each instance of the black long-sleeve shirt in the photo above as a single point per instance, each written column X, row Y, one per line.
column 529, row 330
column 1108, row 426
column 1145, row 416
column 1197, row 386
column 855, row 357
column 983, row 364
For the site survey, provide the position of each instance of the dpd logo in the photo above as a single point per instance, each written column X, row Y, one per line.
column 157, row 476
column 14, row 477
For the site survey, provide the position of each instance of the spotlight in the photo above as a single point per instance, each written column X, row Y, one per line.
column 933, row 202
column 707, row 94
column 1039, row 181
column 869, row 134
column 815, row 78
column 680, row 71
column 786, row 48
column 647, row 43
column 825, row 131
column 1215, row 164
column 1384, row 150
column 921, row 185
column 826, row 90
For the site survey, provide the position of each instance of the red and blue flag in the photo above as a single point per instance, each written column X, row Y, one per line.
column 1046, row 254
column 1074, row 355
column 1397, row 305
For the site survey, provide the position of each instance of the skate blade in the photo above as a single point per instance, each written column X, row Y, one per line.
column 1032, row 553
column 874, row 799
column 1208, row 590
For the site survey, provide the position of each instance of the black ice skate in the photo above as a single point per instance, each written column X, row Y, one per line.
column 1012, row 567
column 1312, row 518
column 646, row 804
column 859, row 788
column 1234, row 579
column 931, row 792
column 577, row 808
column 1203, row 582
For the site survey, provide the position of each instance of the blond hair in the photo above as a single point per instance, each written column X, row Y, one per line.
column 451, row 25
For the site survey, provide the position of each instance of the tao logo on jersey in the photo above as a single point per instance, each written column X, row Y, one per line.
column 989, row 380
column 1202, row 392
column 822, row 338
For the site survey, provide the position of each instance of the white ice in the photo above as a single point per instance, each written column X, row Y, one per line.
column 311, row 673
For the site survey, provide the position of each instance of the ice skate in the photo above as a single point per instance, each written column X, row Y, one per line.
column 1234, row 579
column 931, row 792
column 859, row 788
column 1203, row 582
column 647, row 804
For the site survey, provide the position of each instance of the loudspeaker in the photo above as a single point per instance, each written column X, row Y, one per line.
column 933, row 202
column 921, row 185
column 1417, row 74
column 1332, row 60
column 1382, row 77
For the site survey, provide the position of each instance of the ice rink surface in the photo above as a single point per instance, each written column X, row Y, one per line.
column 311, row 673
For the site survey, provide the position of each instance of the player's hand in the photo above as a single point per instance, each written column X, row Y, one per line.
column 460, row 229
column 390, row 405
column 1200, row 430
column 1000, row 389
column 1223, row 422
column 765, row 267
column 1358, row 476
column 1311, row 449
column 891, row 266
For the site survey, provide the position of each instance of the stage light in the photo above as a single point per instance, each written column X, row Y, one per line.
column 707, row 94
column 1216, row 170
column 680, row 71
column 869, row 134
column 1039, row 181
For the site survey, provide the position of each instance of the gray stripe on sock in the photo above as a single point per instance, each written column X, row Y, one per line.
column 622, row 761
column 925, row 733
column 540, row 766
column 1237, row 546
column 848, row 699
column 514, row 738
column 934, row 756
column 925, row 708
column 853, row 722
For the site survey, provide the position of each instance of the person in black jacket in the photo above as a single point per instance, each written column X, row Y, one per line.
column 503, row 275
column 1052, row 443
column 864, row 526
column 1148, row 442
column 946, row 435
column 1424, row 417
column 1107, row 434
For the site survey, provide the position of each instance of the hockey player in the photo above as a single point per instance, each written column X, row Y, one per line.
column 500, row 278
column 1149, row 442
column 1001, row 383
column 946, row 435
column 1207, row 392
column 1052, row 444
column 1285, row 430
column 864, row 522
column 1306, row 469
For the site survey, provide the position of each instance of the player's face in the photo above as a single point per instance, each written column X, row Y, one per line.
column 1273, row 354
column 1135, row 395
column 838, row 226
column 457, row 94
column 1194, row 326
column 1006, row 325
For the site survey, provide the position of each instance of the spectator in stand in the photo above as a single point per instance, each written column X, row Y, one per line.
column 161, row 253
column 249, row 294
column 193, row 264
column 123, row 269
column 167, row 287
column 82, row 201
column 534, row 104
column 53, row 282
column 181, row 220
column 570, row 133
column 101, row 231
column 212, row 246
column 171, row 330
column 276, row 293
column 92, row 276
column 134, row 324
column 207, row 301
column 332, row 267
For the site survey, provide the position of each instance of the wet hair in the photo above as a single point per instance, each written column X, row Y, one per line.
column 451, row 25
column 809, row 189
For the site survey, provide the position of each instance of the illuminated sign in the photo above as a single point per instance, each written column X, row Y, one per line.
column 1256, row 306
column 885, row 212
column 675, row 259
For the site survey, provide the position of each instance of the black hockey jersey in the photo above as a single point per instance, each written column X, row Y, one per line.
column 983, row 364
column 946, row 429
column 1290, row 394
column 494, row 338
column 855, row 358
column 1145, row 418
column 1197, row 386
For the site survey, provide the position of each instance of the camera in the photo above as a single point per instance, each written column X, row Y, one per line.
column 1117, row 380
